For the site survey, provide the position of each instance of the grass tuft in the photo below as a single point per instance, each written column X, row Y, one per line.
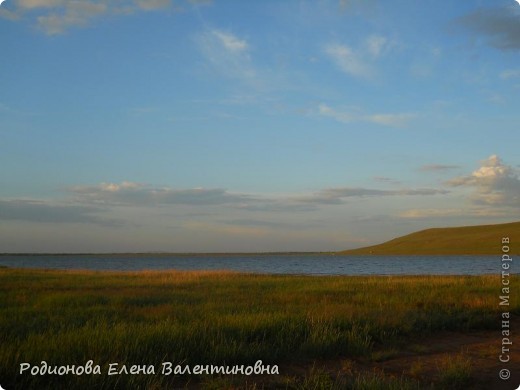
column 455, row 372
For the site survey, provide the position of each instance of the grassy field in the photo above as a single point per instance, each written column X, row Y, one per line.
column 466, row 240
column 189, row 318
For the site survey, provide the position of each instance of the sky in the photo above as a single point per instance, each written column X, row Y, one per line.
column 246, row 126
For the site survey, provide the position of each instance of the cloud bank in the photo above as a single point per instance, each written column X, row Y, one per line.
column 91, row 203
column 338, row 195
column 48, row 212
column 136, row 194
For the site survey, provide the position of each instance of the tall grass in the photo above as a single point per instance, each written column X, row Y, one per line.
column 455, row 372
column 188, row 318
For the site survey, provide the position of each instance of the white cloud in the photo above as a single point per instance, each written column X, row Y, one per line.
column 348, row 61
column 376, row 45
column 392, row 120
column 229, row 55
column 231, row 42
column 495, row 183
column 359, row 62
column 126, row 185
column 340, row 116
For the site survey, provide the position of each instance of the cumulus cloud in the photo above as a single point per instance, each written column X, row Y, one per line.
column 500, row 25
column 494, row 183
column 57, row 16
column 348, row 116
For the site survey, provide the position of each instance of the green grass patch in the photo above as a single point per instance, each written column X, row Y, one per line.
column 70, row 317
column 455, row 372
column 464, row 240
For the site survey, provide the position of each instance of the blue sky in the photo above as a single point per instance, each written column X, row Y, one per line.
column 158, row 125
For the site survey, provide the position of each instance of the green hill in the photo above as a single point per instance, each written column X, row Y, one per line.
column 466, row 240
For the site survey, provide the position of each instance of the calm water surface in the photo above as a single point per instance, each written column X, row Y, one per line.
column 309, row 264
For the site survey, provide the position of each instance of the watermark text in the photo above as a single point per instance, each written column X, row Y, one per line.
column 505, row 292
column 165, row 368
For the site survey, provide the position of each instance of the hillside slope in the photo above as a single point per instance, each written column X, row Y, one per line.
column 466, row 240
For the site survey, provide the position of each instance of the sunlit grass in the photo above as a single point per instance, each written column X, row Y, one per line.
column 455, row 372
column 70, row 317
column 465, row 240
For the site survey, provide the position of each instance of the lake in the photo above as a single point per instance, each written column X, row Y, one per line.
column 307, row 264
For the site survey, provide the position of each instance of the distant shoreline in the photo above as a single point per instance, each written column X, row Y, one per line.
column 449, row 241
column 179, row 254
column 232, row 254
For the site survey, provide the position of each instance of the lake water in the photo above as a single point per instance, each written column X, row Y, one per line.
column 308, row 264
